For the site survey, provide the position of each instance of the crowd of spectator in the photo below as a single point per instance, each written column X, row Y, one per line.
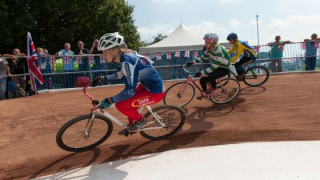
column 14, row 81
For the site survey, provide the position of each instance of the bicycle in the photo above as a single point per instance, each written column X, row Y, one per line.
column 254, row 76
column 182, row 93
column 88, row 131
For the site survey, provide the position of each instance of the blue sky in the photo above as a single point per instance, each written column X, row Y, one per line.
column 291, row 19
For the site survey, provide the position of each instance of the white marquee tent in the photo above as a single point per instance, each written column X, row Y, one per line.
column 181, row 39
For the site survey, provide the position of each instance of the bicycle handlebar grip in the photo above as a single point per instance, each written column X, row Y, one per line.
column 95, row 102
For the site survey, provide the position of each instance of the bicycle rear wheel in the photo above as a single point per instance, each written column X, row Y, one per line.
column 227, row 92
column 74, row 135
column 256, row 76
column 172, row 117
column 179, row 94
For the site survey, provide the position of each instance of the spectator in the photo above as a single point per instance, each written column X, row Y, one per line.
column 276, row 54
column 311, row 51
column 94, row 50
column 83, row 66
column 45, row 66
column 4, row 72
column 68, row 65
column 18, row 67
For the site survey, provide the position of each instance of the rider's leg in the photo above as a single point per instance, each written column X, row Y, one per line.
column 203, row 83
column 216, row 74
column 130, row 106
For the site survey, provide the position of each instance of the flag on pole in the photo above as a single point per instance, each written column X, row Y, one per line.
column 34, row 71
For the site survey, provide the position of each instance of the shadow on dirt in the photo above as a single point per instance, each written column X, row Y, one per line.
column 252, row 90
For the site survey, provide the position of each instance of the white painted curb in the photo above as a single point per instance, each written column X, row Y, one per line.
column 271, row 160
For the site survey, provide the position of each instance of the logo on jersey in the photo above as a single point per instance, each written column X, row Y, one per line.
column 146, row 100
column 143, row 61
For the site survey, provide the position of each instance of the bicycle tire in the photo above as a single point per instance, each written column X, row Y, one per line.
column 104, row 123
column 173, row 97
column 167, row 111
column 230, row 87
column 259, row 74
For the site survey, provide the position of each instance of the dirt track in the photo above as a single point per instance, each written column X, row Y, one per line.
column 286, row 108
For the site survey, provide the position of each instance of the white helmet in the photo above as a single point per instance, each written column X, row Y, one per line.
column 110, row 40
column 211, row 37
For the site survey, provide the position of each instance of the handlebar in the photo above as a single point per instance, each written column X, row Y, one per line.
column 95, row 103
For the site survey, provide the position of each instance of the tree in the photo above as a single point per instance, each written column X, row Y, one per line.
column 158, row 38
column 54, row 22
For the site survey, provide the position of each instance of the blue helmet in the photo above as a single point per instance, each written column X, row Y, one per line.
column 232, row 36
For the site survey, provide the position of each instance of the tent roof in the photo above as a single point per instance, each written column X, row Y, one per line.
column 182, row 38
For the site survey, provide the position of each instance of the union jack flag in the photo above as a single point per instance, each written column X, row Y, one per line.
column 303, row 46
column 168, row 55
column 148, row 55
column 34, row 71
column 102, row 59
column 177, row 54
column 52, row 60
column 91, row 60
column 195, row 54
column 187, row 54
column 79, row 59
column 159, row 56
column 66, row 60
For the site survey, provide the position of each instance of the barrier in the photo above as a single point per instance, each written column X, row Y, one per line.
column 62, row 71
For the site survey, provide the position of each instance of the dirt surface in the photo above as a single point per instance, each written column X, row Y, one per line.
column 286, row 108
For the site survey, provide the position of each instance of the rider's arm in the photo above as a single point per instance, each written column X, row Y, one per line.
column 131, row 78
column 216, row 61
column 238, row 53
column 202, row 58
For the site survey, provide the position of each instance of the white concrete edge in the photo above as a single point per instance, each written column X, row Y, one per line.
column 262, row 160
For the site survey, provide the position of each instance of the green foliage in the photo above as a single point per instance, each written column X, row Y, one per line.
column 158, row 38
column 54, row 22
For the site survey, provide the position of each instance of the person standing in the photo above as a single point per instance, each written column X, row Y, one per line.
column 4, row 72
column 68, row 66
column 83, row 65
column 311, row 52
column 95, row 51
column 18, row 67
column 276, row 53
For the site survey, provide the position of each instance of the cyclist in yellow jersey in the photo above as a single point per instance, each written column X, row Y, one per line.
column 241, row 47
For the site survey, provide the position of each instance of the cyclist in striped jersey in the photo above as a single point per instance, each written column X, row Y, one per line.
column 220, row 62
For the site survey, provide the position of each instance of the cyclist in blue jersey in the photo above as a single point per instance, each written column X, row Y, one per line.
column 134, row 68
column 241, row 47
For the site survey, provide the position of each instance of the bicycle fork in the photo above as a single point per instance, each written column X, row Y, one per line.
column 88, row 126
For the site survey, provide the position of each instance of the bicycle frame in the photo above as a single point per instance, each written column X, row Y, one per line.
column 96, row 109
column 190, row 78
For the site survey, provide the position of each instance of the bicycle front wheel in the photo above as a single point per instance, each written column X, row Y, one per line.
column 227, row 90
column 256, row 76
column 78, row 135
column 171, row 117
column 179, row 94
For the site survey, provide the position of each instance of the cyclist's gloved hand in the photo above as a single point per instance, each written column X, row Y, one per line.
column 105, row 103
column 198, row 74
column 189, row 64
column 96, row 81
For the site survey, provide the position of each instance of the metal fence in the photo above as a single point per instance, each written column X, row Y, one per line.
column 62, row 71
